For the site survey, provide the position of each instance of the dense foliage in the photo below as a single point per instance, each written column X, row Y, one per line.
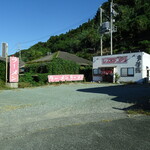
column 37, row 73
column 132, row 34
column 2, row 70
column 56, row 66
column 29, row 79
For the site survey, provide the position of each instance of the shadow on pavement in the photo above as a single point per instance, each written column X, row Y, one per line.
column 137, row 94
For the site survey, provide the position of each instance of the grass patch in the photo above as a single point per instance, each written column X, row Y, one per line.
column 138, row 111
column 3, row 86
column 24, row 85
column 140, row 108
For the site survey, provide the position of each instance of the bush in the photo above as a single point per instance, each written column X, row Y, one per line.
column 37, row 68
column 27, row 77
column 87, row 71
column 3, row 85
column 117, row 77
column 24, row 85
column 29, row 80
column 2, row 70
column 43, row 78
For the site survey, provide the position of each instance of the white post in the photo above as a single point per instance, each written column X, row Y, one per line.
column 6, row 66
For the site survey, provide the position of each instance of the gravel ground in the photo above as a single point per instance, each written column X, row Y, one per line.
column 32, row 110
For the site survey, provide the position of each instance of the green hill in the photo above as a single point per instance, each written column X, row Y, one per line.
column 133, row 30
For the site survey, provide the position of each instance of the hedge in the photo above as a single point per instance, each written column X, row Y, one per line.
column 2, row 70
column 32, row 79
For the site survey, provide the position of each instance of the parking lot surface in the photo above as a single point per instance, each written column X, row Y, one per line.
column 74, row 117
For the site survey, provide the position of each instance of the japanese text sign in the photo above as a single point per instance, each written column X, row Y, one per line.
column 114, row 60
column 58, row 78
column 14, row 69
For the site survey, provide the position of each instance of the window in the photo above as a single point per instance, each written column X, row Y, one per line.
column 127, row 72
column 95, row 71
column 124, row 72
column 130, row 72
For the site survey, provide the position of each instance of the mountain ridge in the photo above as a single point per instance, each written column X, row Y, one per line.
column 132, row 34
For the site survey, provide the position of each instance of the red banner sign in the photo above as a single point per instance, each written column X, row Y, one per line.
column 14, row 69
column 106, row 72
column 58, row 78
column 114, row 60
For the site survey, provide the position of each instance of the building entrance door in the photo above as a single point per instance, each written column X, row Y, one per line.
column 107, row 74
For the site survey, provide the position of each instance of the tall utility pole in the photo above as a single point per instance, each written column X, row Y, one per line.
column 111, row 27
column 6, row 53
column 19, row 51
column 101, row 37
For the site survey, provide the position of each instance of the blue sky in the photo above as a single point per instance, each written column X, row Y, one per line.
column 27, row 22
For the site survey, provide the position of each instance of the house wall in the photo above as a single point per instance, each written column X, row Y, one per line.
column 145, row 65
column 119, row 62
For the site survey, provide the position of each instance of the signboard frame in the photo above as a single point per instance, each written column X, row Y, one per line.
column 14, row 69
column 115, row 60
column 62, row 78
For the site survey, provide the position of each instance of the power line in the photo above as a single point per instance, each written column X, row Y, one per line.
column 52, row 34
column 56, row 32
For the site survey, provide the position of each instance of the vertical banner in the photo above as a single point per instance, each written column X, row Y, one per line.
column 14, row 69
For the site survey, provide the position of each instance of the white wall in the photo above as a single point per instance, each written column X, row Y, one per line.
column 145, row 64
column 138, row 61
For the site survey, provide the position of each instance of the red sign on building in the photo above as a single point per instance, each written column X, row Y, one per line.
column 114, row 60
column 14, row 69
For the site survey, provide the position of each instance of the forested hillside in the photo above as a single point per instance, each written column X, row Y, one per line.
column 133, row 33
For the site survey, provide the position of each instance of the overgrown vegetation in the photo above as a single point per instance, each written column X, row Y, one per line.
column 140, row 108
column 37, row 73
column 139, row 111
column 3, row 85
column 132, row 34
column 2, row 70
column 56, row 66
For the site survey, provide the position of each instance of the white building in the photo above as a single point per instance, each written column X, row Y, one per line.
column 130, row 67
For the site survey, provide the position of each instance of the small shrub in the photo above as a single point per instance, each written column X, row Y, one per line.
column 43, row 78
column 3, row 85
column 117, row 77
column 28, row 78
column 24, row 84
